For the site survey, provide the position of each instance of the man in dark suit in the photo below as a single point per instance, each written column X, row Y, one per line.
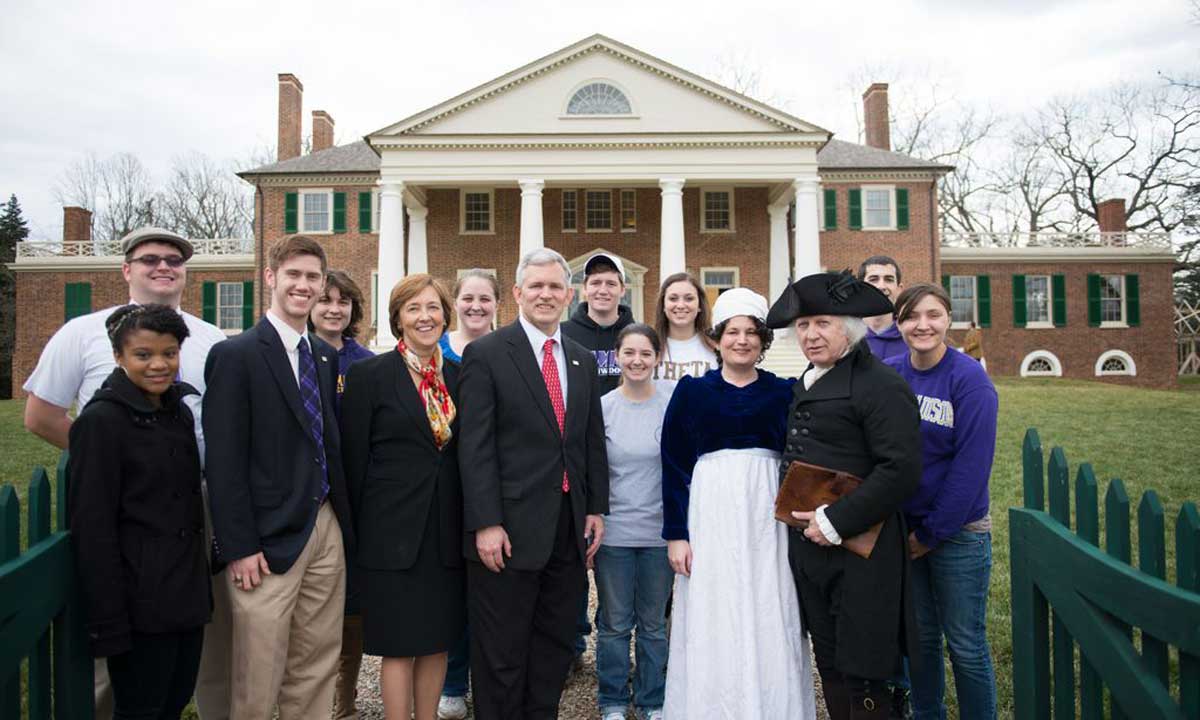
column 281, row 517
column 535, row 485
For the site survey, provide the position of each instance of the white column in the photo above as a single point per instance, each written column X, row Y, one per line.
column 778, row 258
column 391, row 255
column 418, row 250
column 671, row 255
column 532, row 236
column 808, row 238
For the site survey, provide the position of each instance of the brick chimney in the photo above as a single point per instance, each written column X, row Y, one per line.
column 322, row 130
column 875, row 116
column 291, row 93
column 77, row 224
column 1110, row 215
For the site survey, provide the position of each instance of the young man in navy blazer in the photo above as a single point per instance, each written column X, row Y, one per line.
column 281, row 517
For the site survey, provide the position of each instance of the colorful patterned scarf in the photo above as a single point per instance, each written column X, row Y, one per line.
column 439, row 408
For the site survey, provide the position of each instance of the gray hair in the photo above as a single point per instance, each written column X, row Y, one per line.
column 855, row 328
column 543, row 256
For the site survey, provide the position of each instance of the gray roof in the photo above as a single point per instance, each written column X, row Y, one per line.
column 358, row 157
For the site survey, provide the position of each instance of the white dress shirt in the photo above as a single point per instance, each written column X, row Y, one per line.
column 537, row 339
column 291, row 342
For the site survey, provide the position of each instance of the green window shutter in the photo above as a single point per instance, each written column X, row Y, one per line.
column 77, row 300
column 68, row 301
column 1058, row 295
column 247, row 304
column 855, row 209
column 1018, row 297
column 291, row 204
column 1093, row 299
column 831, row 209
column 339, row 212
column 1133, row 302
column 208, row 302
column 901, row 208
column 983, row 299
column 946, row 283
column 364, row 212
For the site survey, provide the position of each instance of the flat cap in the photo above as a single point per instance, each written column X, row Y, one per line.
column 154, row 234
column 827, row 293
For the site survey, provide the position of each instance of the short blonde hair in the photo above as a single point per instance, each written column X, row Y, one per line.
column 409, row 288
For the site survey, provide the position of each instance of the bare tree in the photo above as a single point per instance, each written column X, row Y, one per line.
column 118, row 190
column 1036, row 195
column 741, row 72
column 204, row 199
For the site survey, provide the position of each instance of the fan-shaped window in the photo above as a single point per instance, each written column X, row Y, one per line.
column 599, row 98
column 1115, row 362
column 1041, row 363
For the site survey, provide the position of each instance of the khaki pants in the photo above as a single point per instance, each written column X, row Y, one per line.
column 345, row 694
column 287, row 632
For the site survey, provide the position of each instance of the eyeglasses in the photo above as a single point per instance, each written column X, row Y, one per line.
column 152, row 261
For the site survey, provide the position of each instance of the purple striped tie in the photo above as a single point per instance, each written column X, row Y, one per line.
column 311, row 395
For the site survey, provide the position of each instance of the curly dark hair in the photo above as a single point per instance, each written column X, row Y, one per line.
column 765, row 335
column 162, row 319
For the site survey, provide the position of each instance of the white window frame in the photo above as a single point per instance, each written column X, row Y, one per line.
column 737, row 276
column 1124, row 321
column 586, row 194
column 728, row 189
column 563, row 211
column 241, row 306
column 891, row 190
column 328, row 192
column 1048, row 323
column 633, row 206
column 462, row 210
column 1130, row 366
column 974, row 303
column 1056, row 368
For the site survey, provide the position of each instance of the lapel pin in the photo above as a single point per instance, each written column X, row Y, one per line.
column 574, row 362
column 324, row 359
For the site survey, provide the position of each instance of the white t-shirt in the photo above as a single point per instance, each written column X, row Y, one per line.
column 79, row 358
column 686, row 357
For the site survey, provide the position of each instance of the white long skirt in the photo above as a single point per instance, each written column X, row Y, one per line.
column 738, row 649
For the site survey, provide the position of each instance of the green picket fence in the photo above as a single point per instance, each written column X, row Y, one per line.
column 1068, row 594
column 40, row 609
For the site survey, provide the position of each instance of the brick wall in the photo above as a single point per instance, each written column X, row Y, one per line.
column 915, row 248
column 40, row 302
column 1078, row 345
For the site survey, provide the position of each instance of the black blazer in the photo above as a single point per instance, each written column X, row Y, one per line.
column 137, row 515
column 511, row 453
column 395, row 473
column 263, row 473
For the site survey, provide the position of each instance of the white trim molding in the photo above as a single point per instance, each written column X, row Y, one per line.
column 1055, row 365
column 1130, row 366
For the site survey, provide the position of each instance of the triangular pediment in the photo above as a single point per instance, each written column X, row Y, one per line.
column 663, row 99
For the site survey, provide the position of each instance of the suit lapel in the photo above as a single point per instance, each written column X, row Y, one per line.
column 527, row 365
column 834, row 384
column 409, row 399
column 281, row 369
column 577, row 380
column 325, row 358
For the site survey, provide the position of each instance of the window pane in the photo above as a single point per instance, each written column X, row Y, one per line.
column 1114, row 365
column 716, row 210
column 1111, row 305
column 628, row 210
column 599, row 210
column 878, row 206
column 1040, row 365
column 570, row 209
column 598, row 99
column 229, row 306
column 718, row 278
column 476, row 212
column 1037, row 298
column 230, row 319
column 316, row 212
column 962, row 298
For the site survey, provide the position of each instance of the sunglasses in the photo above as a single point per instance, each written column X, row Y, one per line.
column 152, row 261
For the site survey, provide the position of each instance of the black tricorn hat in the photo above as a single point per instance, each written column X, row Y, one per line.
column 827, row 293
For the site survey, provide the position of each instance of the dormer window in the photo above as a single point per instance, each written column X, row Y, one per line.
column 599, row 98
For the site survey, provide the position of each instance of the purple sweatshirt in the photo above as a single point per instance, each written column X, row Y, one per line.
column 886, row 344
column 958, row 408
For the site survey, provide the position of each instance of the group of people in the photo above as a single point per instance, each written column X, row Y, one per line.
column 251, row 515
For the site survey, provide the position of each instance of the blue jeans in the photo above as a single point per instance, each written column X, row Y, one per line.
column 950, row 592
column 633, row 585
column 458, row 667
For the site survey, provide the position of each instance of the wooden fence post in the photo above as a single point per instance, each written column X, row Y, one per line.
column 1063, row 645
column 1152, row 560
column 1116, row 544
column 10, row 547
column 1030, row 612
column 1033, row 476
column 1087, row 527
column 40, row 681
column 1187, row 576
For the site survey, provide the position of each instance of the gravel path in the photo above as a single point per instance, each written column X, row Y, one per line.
column 578, row 699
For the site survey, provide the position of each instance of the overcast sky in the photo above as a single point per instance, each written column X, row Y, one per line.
column 163, row 78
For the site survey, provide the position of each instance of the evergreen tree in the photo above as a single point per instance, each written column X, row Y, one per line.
column 13, row 229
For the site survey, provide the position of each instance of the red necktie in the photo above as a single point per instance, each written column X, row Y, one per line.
column 554, row 387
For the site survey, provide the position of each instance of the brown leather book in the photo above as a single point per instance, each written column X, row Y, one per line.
column 807, row 487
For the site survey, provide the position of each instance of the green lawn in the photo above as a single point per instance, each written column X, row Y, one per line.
column 1145, row 437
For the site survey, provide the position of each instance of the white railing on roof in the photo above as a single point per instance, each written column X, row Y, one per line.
column 112, row 248
column 1053, row 239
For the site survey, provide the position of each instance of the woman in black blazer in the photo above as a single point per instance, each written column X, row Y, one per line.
column 399, row 447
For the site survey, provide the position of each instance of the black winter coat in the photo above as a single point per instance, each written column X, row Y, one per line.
column 861, row 418
column 137, row 515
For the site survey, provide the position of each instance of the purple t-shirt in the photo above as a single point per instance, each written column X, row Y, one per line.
column 886, row 344
column 958, row 408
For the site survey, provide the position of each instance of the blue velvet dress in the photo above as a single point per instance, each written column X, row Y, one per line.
column 737, row 643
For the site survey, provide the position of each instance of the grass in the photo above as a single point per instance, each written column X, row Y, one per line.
column 1145, row 437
